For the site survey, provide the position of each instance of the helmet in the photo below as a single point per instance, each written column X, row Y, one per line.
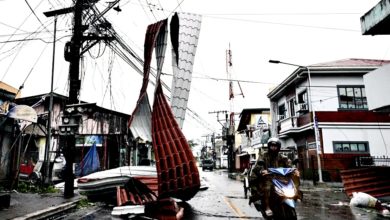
column 274, row 141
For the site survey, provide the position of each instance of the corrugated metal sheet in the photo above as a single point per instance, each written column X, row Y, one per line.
column 371, row 180
column 140, row 120
column 185, row 29
column 177, row 173
column 135, row 192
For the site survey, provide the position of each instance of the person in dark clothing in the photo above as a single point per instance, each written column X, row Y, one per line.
column 260, row 185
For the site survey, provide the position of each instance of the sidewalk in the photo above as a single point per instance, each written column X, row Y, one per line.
column 37, row 206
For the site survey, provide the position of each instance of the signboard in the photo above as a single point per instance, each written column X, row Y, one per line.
column 23, row 112
column 312, row 146
column 88, row 140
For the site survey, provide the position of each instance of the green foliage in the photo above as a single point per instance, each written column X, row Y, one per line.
column 192, row 144
column 84, row 202
column 25, row 187
column 49, row 189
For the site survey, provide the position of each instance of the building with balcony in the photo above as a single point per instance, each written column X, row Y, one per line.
column 347, row 127
column 253, row 133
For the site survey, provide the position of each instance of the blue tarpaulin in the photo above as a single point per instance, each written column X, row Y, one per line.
column 90, row 162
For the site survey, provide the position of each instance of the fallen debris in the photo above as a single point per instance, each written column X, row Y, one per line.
column 361, row 199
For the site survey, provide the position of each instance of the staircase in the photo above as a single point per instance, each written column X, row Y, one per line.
column 374, row 181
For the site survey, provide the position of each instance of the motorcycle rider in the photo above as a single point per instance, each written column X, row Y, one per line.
column 260, row 185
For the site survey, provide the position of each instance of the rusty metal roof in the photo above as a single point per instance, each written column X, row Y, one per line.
column 177, row 173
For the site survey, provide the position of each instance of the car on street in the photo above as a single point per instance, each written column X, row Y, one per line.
column 207, row 164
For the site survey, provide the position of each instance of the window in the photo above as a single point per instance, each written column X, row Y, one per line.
column 291, row 105
column 302, row 97
column 352, row 97
column 350, row 147
column 282, row 111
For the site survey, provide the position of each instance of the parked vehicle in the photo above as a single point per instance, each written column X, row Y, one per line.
column 207, row 164
column 246, row 174
column 284, row 195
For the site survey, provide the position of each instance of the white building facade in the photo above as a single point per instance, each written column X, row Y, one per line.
column 338, row 98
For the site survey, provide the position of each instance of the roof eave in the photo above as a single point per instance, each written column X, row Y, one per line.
column 317, row 70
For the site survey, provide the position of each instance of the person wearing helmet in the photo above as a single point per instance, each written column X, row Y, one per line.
column 261, row 186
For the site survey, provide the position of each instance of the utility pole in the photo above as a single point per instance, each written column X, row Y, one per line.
column 231, row 128
column 73, row 52
column 47, row 178
column 74, row 88
column 225, row 134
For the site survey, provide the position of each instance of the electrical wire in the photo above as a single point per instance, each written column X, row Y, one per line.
column 20, row 44
column 29, row 73
column 151, row 10
column 32, row 11
column 29, row 33
column 5, row 73
column 223, row 79
column 161, row 8
column 284, row 24
column 284, row 14
column 133, row 63
column 178, row 5
column 142, row 6
column 33, row 39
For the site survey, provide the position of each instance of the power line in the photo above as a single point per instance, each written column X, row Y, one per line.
column 222, row 79
column 32, row 11
column 151, row 10
column 178, row 5
column 284, row 24
column 32, row 39
column 29, row 33
column 284, row 14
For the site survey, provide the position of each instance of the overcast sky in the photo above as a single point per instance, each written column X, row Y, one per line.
column 300, row 32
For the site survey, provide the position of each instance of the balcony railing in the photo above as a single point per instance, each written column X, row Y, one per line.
column 288, row 123
column 294, row 122
column 372, row 161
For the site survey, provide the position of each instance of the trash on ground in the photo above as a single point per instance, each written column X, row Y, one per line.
column 361, row 199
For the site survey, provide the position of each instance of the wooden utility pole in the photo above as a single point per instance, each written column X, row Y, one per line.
column 74, row 88
column 73, row 52
column 55, row 13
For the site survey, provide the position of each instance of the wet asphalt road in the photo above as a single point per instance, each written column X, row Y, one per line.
column 229, row 202
column 224, row 199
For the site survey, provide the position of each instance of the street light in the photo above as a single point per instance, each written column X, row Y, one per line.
column 315, row 124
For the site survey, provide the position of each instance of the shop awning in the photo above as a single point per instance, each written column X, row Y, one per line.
column 35, row 129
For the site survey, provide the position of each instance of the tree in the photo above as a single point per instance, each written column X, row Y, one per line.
column 192, row 144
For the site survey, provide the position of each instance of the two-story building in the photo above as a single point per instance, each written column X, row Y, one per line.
column 335, row 93
column 253, row 133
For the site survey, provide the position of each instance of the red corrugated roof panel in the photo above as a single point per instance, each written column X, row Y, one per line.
column 177, row 173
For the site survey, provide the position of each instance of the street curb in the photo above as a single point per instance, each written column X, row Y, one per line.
column 45, row 213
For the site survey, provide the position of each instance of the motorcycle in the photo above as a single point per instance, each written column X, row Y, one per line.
column 283, row 196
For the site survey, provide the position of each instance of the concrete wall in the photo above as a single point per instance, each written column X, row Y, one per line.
column 377, row 85
column 324, row 91
column 378, row 138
